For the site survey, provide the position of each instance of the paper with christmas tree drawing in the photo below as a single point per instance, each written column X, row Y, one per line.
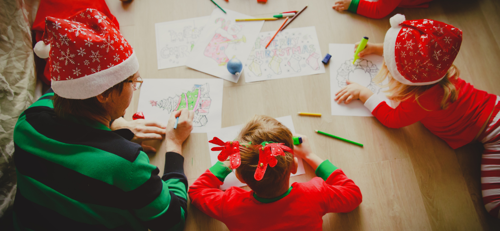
column 362, row 72
column 294, row 52
column 230, row 133
column 160, row 97
column 223, row 39
column 176, row 39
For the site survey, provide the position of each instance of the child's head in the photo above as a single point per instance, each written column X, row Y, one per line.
column 259, row 129
column 419, row 54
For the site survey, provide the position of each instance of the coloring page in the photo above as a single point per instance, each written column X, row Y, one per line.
column 230, row 133
column 362, row 72
column 223, row 39
column 160, row 97
column 293, row 52
column 175, row 40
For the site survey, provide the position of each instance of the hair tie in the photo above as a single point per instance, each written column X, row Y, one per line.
column 268, row 151
column 229, row 149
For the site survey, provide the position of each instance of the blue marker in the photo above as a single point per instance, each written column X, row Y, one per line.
column 176, row 122
column 327, row 58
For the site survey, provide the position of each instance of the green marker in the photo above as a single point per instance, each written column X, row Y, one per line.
column 340, row 138
column 361, row 47
column 284, row 15
column 297, row 140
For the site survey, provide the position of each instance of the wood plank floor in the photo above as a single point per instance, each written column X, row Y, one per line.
column 410, row 179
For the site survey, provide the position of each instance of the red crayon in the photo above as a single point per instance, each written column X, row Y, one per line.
column 293, row 11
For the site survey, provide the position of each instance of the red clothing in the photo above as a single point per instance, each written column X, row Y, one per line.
column 302, row 208
column 381, row 8
column 61, row 9
column 457, row 125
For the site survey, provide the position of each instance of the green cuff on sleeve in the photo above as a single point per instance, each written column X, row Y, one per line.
column 220, row 170
column 353, row 7
column 325, row 169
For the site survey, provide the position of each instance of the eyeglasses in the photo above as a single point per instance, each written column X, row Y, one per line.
column 136, row 83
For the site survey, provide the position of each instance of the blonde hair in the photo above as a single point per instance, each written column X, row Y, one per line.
column 259, row 129
column 401, row 92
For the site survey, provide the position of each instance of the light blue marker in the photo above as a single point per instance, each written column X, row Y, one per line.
column 176, row 122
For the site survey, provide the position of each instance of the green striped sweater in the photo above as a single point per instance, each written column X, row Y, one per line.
column 77, row 174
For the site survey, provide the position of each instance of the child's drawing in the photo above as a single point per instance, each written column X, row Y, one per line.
column 362, row 72
column 229, row 133
column 198, row 99
column 294, row 52
column 161, row 97
column 223, row 39
column 175, row 40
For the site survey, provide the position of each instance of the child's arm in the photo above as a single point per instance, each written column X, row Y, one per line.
column 372, row 9
column 406, row 113
column 339, row 192
column 205, row 192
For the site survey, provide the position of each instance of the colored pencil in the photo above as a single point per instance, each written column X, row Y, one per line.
column 293, row 11
column 254, row 19
column 309, row 114
column 219, row 7
column 176, row 122
column 293, row 18
column 276, row 32
column 340, row 138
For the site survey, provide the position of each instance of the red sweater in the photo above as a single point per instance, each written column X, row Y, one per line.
column 381, row 8
column 457, row 125
column 301, row 208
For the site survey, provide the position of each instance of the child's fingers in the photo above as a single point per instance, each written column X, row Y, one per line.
column 342, row 97
column 341, row 90
column 348, row 82
column 348, row 100
column 340, row 93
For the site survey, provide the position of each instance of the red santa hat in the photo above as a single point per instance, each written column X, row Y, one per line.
column 420, row 52
column 86, row 54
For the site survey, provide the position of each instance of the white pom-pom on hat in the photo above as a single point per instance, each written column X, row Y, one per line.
column 42, row 50
column 397, row 19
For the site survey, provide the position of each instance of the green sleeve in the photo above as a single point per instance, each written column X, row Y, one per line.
column 220, row 170
column 353, row 7
column 325, row 169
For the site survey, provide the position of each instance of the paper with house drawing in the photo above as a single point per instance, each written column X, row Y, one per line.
column 160, row 97
column 176, row 39
column 223, row 39
column 230, row 133
column 362, row 72
column 294, row 52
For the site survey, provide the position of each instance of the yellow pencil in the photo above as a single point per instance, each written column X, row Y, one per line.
column 254, row 19
column 310, row 114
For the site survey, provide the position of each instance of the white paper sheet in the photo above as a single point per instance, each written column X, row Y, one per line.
column 362, row 72
column 160, row 97
column 230, row 133
column 294, row 52
column 176, row 39
column 223, row 39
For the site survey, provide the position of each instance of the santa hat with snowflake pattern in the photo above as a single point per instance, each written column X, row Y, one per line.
column 86, row 54
column 420, row 52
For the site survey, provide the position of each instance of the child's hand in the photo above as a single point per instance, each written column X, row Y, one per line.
column 352, row 91
column 341, row 5
column 302, row 150
column 370, row 48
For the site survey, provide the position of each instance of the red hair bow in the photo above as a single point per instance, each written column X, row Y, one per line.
column 229, row 149
column 267, row 155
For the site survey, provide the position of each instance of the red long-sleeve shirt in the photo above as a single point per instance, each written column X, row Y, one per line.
column 381, row 8
column 301, row 208
column 457, row 125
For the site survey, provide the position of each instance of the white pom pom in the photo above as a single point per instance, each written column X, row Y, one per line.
column 397, row 19
column 42, row 50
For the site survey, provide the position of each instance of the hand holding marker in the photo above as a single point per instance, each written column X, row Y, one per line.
column 361, row 47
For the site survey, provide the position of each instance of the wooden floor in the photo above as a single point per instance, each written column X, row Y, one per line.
column 410, row 179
